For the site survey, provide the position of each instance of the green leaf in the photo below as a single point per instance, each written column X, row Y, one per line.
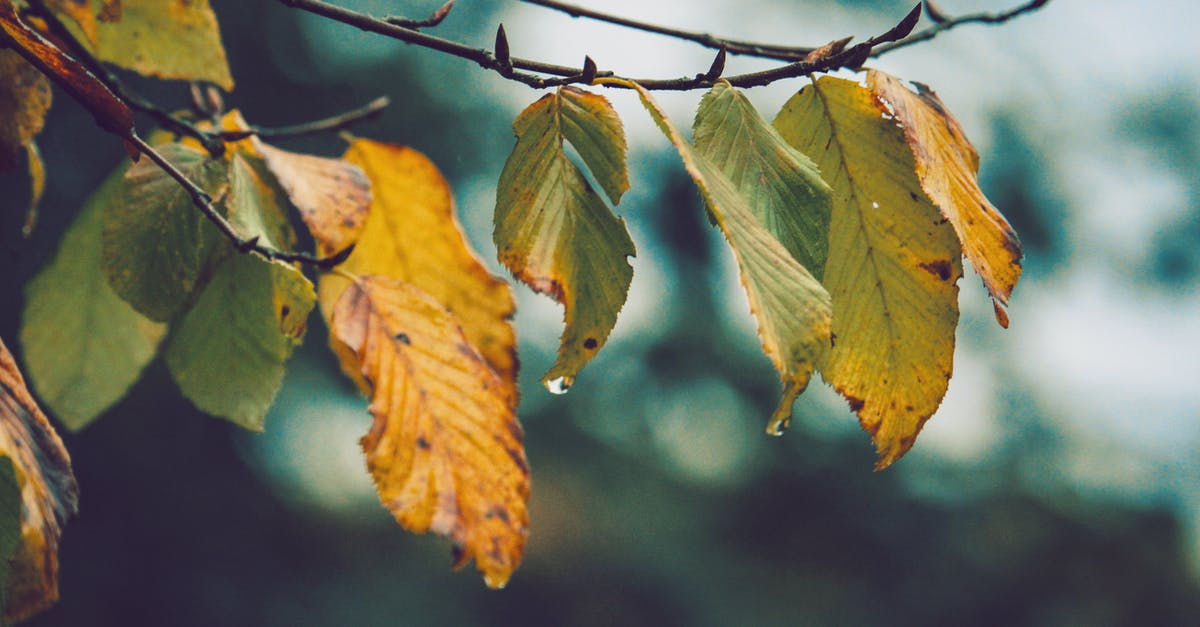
column 10, row 523
column 254, row 208
column 155, row 241
column 792, row 309
column 175, row 39
column 781, row 186
column 84, row 346
column 893, row 263
column 227, row 353
column 554, row 232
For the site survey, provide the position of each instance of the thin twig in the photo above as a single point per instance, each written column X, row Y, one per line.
column 333, row 123
column 204, row 202
column 731, row 46
column 947, row 22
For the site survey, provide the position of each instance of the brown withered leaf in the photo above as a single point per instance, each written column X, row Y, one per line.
column 332, row 196
column 48, row 492
column 948, row 167
column 412, row 234
column 24, row 100
column 445, row 449
column 110, row 112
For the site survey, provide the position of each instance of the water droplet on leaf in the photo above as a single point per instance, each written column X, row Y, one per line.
column 560, row 385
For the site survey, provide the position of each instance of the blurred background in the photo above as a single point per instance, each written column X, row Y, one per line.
column 1057, row 485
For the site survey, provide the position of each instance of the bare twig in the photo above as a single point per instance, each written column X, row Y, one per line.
column 731, row 46
column 945, row 22
column 326, row 125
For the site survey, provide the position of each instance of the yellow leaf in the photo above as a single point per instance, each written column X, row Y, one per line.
column 412, row 234
column 892, row 268
column 332, row 196
column 947, row 166
column 445, row 449
column 174, row 39
column 48, row 492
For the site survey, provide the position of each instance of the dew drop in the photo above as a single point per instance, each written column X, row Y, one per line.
column 560, row 385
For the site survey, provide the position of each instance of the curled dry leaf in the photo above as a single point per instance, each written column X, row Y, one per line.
column 412, row 234
column 445, row 449
column 948, row 167
column 49, row 494
column 332, row 196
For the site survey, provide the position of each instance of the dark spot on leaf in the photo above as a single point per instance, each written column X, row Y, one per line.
column 906, row 442
column 422, row 443
column 909, row 408
column 914, row 196
column 284, row 311
column 856, row 404
column 403, row 339
column 497, row 512
column 832, row 340
column 590, row 343
column 940, row 268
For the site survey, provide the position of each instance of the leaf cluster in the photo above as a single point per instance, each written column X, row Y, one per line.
column 848, row 216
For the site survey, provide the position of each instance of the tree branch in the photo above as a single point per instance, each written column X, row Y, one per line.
column 945, row 23
column 517, row 69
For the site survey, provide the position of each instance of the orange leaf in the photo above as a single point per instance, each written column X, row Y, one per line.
column 445, row 449
column 333, row 196
column 413, row 235
column 947, row 166
column 110, row 113
column 48, row 493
